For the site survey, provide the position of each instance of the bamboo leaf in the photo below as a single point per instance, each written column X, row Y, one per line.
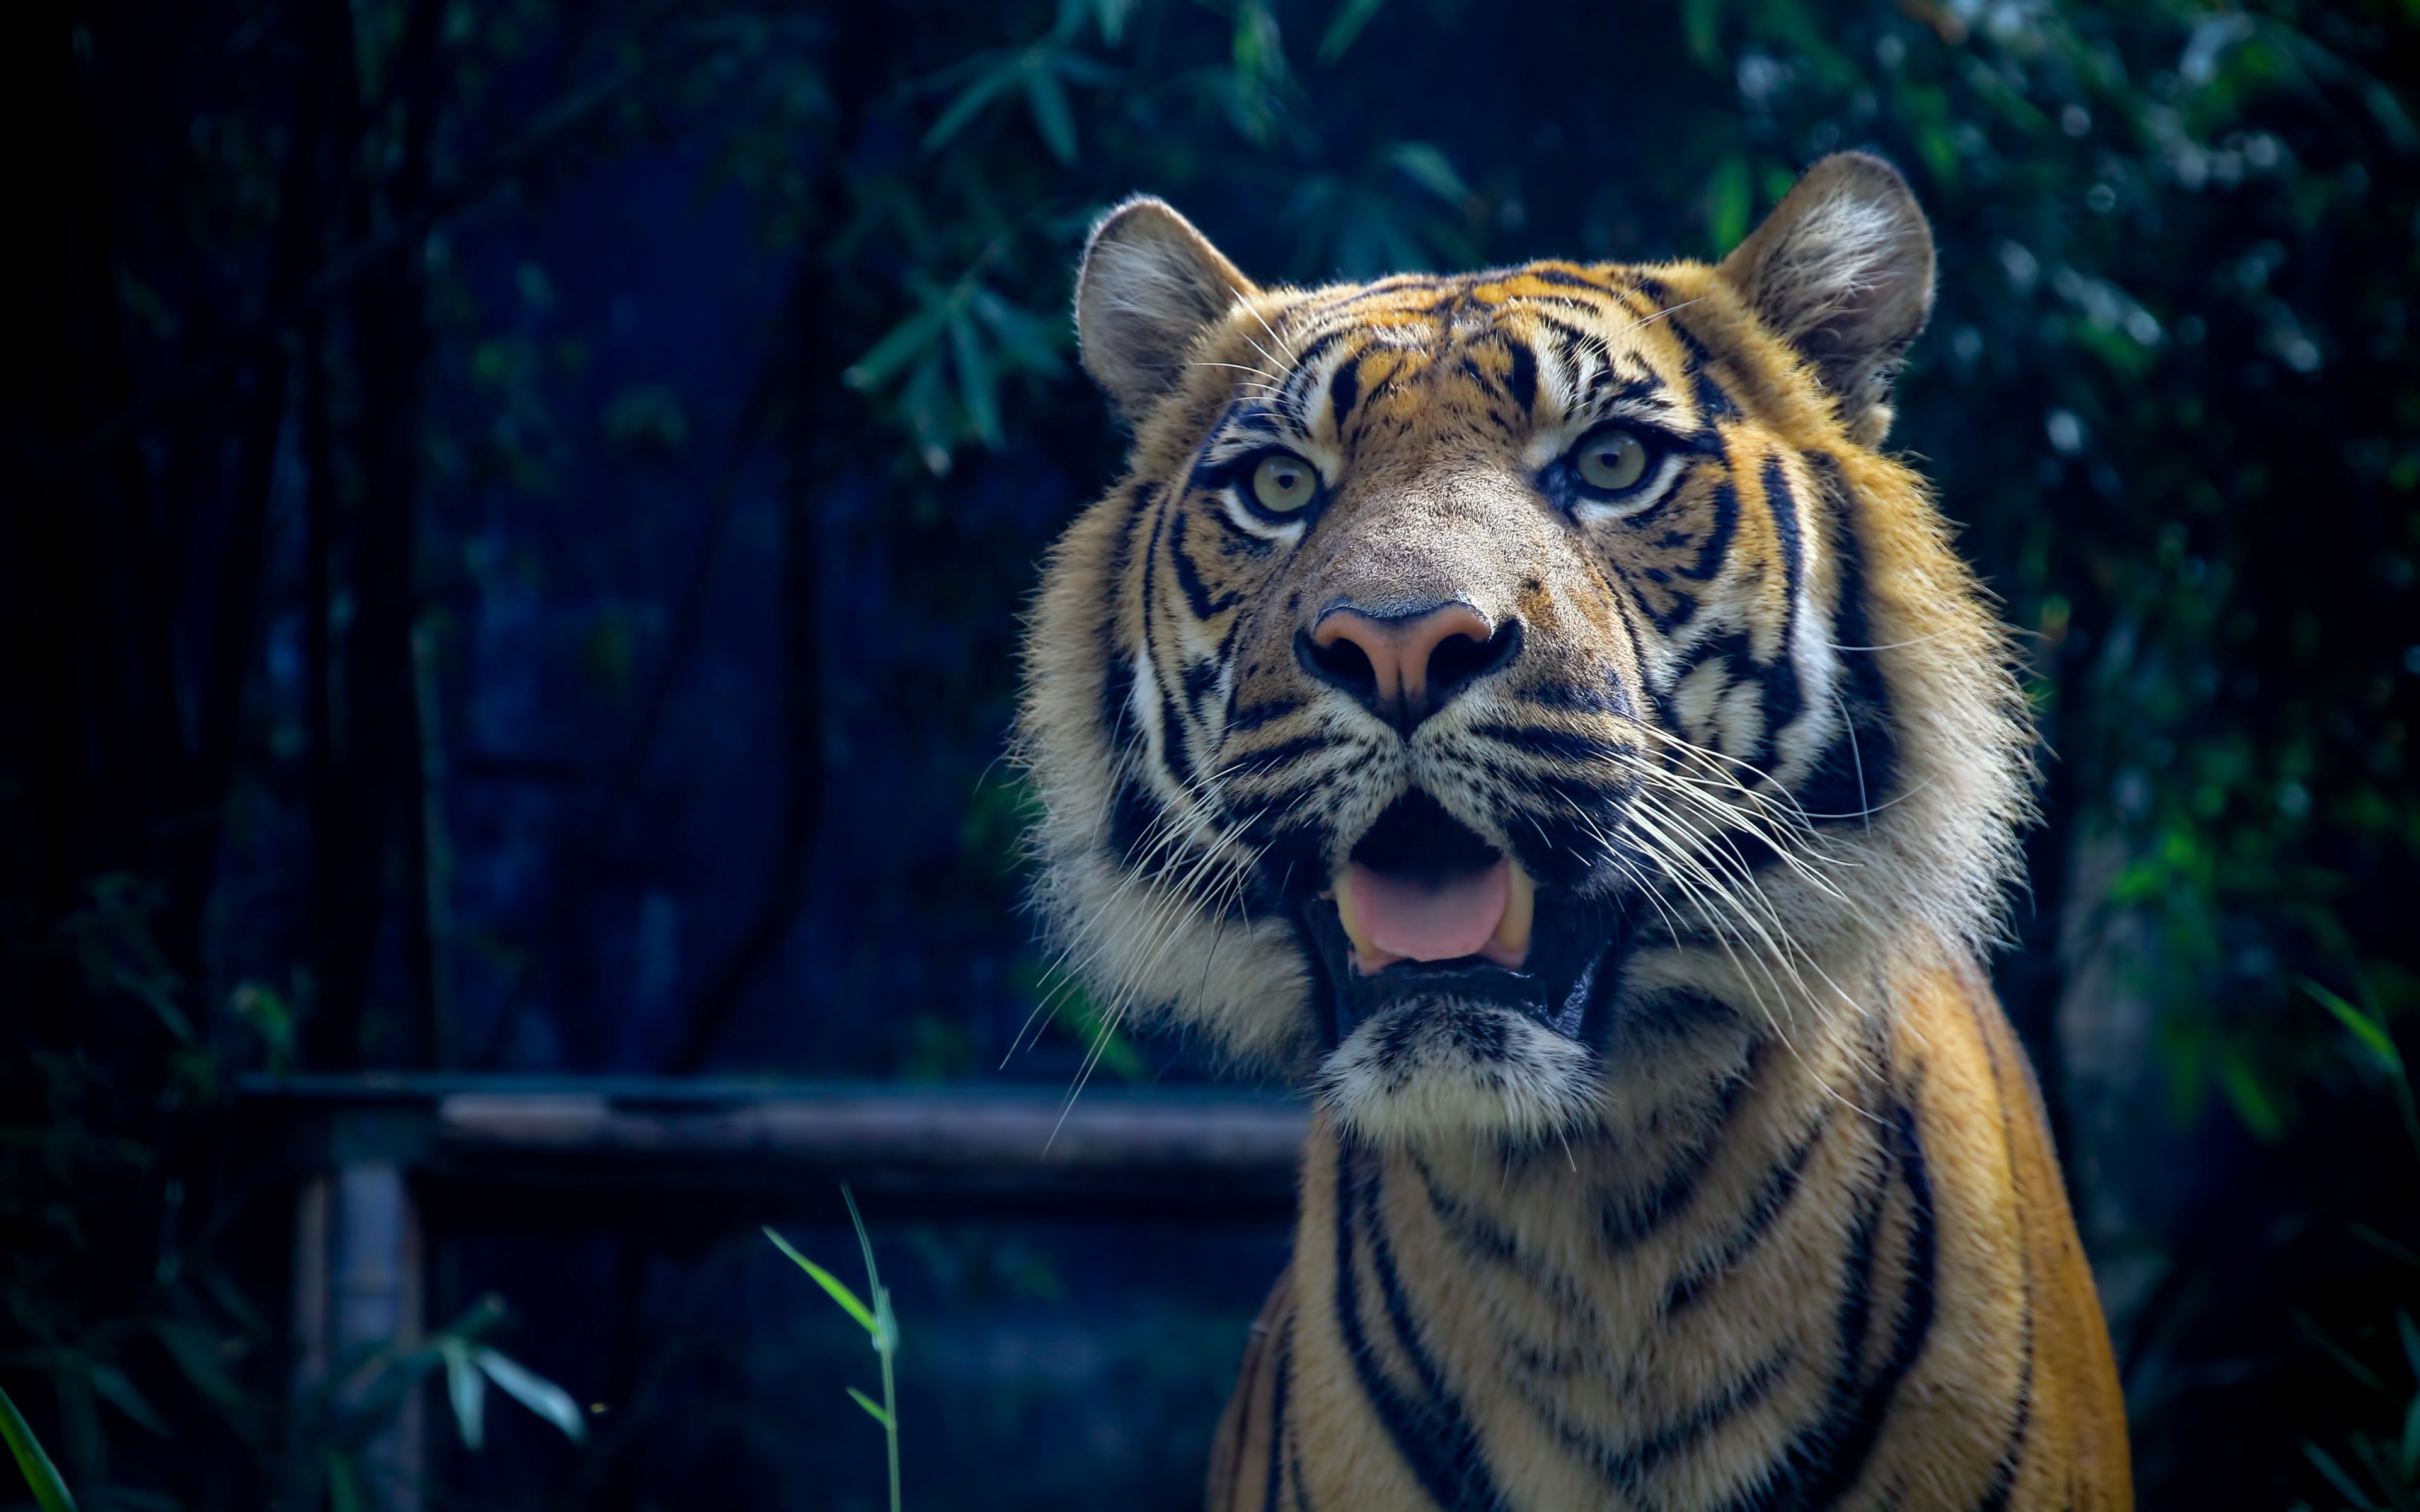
column 833, row 1287
column 344, row 1487
column 1728, row 192
column 2410, row 1445
column 1428, row 167
column 972, row 99
column 113, row 1388
column 2312, row 1333
column 1024, row 337
column 2249, row 1097
column 1111, row 16
column 901, row 346
column 42, row 1476
column 1048, row 99
column 534, row 1392
column 466, row 1389
column 978, row 390
column 873, row 1408
column 1351, row 17
column 2336, row 1477
column 2371, row 1033
column 1701, row 22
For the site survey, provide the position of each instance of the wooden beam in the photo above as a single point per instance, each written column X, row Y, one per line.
column 513, row 1150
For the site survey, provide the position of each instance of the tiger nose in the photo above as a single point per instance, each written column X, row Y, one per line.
column 1404, row 667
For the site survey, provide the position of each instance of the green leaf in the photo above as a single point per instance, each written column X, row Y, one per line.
column 113, row 1387
column 1428, row 167
column 50, row 1493
column 1701, row 21
column 2312, row 1333
column 195, row 1349
column 873, row 1408
column 978, row 391
column 2336, row 1476
column 901, row 346
column 466, row 1389
column 2371, row 1033
column 2250, row 1100
column 1350, row 18
column 835, row 1288
column 1026, row 338
column 2409, row 1447
column 1111, row 16
column 344, row 1486
column 2411, row 1338
column 534, row 1392
column 2386, row 1246
column 1047, row 100
column 972, row 98
column 1728, row 194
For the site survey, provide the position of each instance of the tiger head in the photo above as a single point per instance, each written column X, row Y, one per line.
column 1470, row 669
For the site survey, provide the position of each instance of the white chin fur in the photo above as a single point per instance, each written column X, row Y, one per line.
column 1458, row 1071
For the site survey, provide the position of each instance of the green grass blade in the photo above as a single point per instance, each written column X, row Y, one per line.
column 50, row 1493
column 873, row 1408
column 833, row 1285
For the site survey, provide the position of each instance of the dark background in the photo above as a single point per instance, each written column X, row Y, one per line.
column 513, row 517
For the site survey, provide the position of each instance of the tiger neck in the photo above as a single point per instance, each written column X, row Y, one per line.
column 1568, row 1270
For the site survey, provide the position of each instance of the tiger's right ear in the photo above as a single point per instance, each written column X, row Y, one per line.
column 1149, row 286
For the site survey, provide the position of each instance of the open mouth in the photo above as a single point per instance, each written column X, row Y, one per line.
column 1426, row 912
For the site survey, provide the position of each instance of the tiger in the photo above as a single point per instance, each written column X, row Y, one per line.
column 1529, row 710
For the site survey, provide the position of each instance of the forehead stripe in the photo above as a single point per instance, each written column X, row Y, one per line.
column 1343, row 388
column 1523, row 380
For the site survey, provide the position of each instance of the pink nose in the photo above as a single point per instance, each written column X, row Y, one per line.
column 1406, row 668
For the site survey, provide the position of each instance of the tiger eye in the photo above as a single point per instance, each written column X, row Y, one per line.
column 1613, row 459
column 1284, row 483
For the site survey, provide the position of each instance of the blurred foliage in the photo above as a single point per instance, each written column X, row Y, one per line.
column 274, row 373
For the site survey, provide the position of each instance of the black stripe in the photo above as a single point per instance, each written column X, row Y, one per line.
column 1251, row 716
column 1629, row 1220
column 1627, row 1466
column 1263, row 762
column 1432, row 1435
column 1857, row 773
column 1133, row 818
column 1523, row 380
column 1117, row 667
column 1719, row 540
column 1560, row 277
column 1712, row 402
column 1558, row 745
column 1823, row 1462
column 1785, row 699
column 1773, row 1196
column 1277, row 1413
column 1343, row 388
column 1197, row 596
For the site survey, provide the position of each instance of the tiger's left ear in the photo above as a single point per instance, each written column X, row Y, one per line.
column 1842, row 270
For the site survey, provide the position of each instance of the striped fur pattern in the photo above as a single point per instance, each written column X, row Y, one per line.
column 1732, row 1190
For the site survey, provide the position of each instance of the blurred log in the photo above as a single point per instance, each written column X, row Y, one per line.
column 695, row 1158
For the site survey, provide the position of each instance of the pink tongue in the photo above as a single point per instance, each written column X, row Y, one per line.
column 1407, row 917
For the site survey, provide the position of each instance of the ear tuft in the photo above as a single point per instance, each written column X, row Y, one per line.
column 1842, row 270
column 1149, row 286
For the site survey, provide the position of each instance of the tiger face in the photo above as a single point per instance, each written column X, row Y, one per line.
column 1469, row 665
